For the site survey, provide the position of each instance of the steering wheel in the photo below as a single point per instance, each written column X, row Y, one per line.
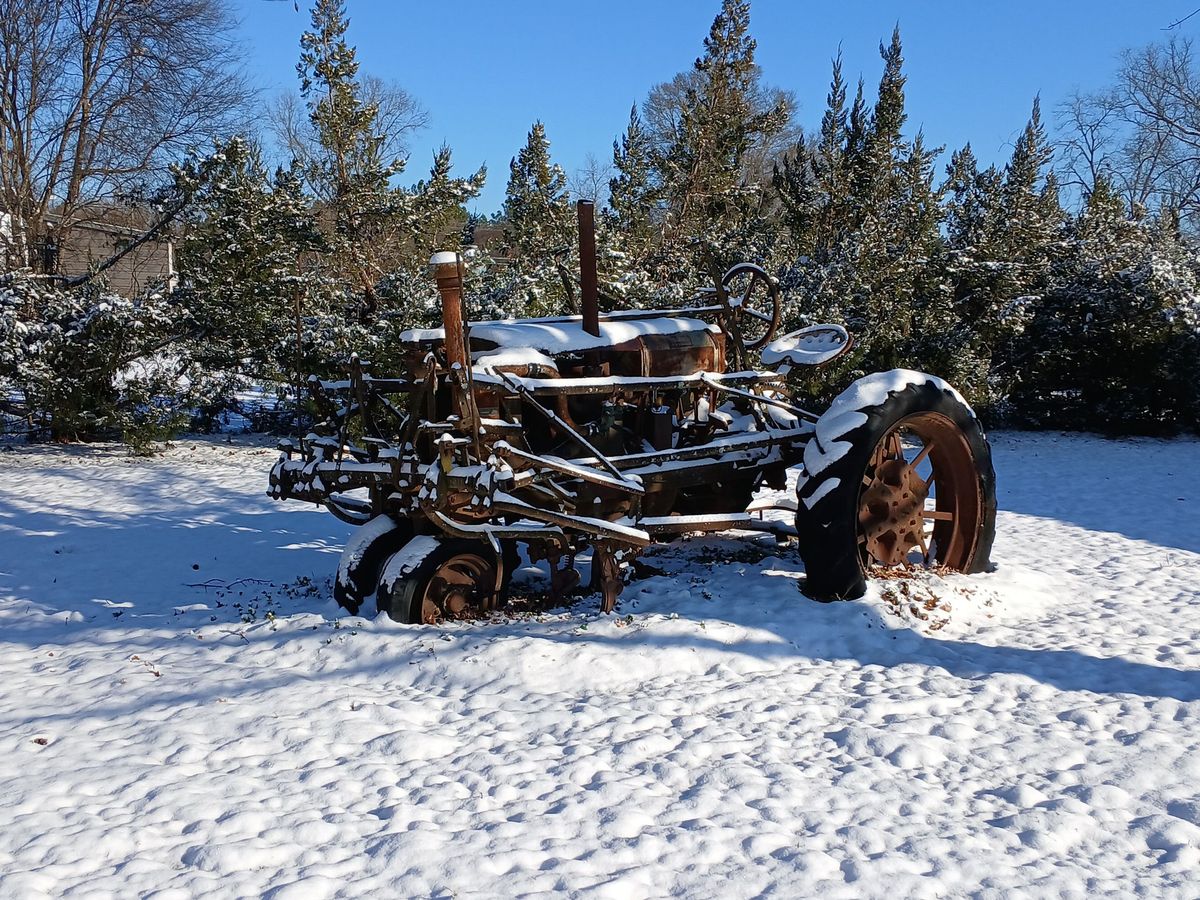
column 755, row 303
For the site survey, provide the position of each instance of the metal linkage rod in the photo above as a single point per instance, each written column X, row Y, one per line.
column 524, row 393
column 757, row 398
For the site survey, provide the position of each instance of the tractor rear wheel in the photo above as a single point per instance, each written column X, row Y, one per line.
column 914, row 487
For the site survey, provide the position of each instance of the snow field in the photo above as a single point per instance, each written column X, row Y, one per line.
column 1029, row 731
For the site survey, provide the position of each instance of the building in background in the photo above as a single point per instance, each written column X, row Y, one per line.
column 101, row 234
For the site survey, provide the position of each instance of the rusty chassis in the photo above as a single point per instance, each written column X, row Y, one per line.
column 609, row 431
column 468, row 475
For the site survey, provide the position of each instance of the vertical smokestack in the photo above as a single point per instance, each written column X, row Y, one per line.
column 446, row 270
column 586, row 211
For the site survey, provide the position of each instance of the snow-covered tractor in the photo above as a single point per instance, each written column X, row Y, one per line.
column 601, row 433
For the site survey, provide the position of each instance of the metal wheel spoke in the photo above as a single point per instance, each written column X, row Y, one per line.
column 749, row 290
column 761, row 316
column 893, row 521
column 453, row 576
column 920, row 457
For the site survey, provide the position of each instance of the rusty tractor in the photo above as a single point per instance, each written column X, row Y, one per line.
column 601, row 433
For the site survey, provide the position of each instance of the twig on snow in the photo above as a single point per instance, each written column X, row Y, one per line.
column 224, row 585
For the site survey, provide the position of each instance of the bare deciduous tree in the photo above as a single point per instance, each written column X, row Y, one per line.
column 97, row 98
column 1143, row 134
column 1087, row 140
column 398, row 116
column 590, row 181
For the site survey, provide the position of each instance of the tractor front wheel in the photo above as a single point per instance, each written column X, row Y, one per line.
column 434, row 579
column 362, row 560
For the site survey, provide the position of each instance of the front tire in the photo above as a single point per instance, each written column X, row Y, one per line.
column 433, row 579
column 367, row 550
column 899, row 473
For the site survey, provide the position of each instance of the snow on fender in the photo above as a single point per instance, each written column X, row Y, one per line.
column 355, row 548
column 407, row 560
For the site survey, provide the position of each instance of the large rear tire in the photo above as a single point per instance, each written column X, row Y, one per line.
column 899, row 474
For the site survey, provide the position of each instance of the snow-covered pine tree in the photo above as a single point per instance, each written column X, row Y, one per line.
column 240, row 263
column 1004, row 232
column 1114, row 344
column 349, row 175
column 250, row 271
column 88, row 362
column 378, row 233
column 817, row 210
column 633, row 217
column 706, row 191
column 879, row 303
column 966, row 201
column 811, row 181
column 538, row 230
column 864, row 218
column 436, row 219
column 1031, row 213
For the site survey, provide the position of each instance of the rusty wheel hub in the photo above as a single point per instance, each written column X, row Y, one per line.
column 461, row 588
column 891, row 512
column 927, row 501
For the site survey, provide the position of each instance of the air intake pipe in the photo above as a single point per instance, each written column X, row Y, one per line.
column 588, row 291
column 447, row 270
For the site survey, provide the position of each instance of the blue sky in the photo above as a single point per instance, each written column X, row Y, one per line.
column 487, row 70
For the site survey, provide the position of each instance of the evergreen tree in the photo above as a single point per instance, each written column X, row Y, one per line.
column 248, row 265
column 538, row 228
column 811, row 182
column 632, row 220
column 1114, row 345
column 875, row 173
column 864, row 222
column 437, row 208
column 349, row 173
column 965, row 200
column 701, row 170
column 1030, row 211
column 377, row 232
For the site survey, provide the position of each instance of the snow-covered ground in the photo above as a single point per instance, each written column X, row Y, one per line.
column 1034, row 730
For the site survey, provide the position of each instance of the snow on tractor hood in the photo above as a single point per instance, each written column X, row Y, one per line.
column 566, row 334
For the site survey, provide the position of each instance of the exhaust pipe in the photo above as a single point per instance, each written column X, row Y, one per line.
column 588, row 291
column 447, row 270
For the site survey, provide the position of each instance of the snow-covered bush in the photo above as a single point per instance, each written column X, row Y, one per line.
column 87, row 362
column 1115, row 344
